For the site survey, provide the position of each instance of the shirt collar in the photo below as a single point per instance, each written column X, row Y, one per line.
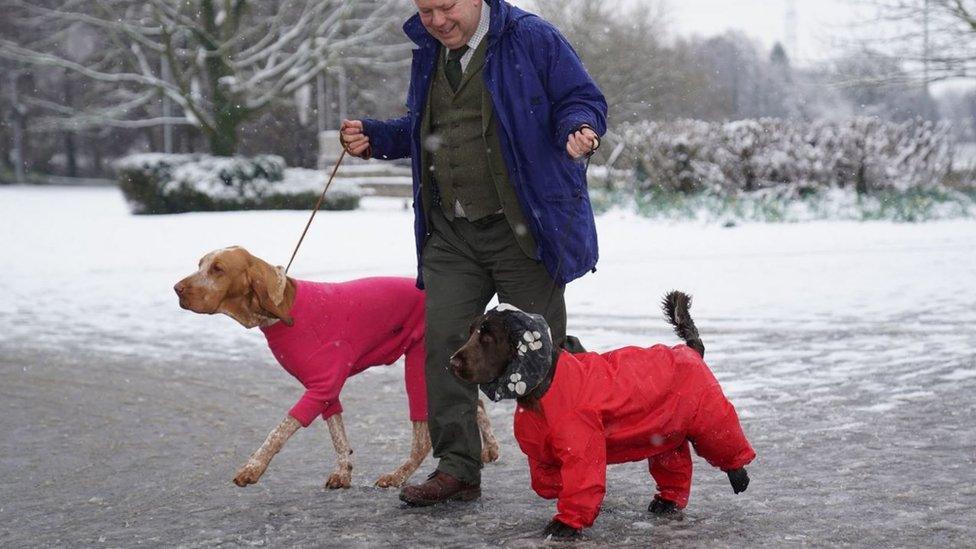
column 482, row 30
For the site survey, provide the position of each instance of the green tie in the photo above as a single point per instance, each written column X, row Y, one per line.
column 453, row 67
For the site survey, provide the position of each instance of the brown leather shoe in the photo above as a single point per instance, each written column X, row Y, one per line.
column 438, row 488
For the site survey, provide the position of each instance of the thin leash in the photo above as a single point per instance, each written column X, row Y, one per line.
column 316, row 208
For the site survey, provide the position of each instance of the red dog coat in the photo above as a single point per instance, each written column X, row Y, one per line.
column 627, row 405
column 342, row 329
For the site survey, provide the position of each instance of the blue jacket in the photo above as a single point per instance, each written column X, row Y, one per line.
column 540, row 93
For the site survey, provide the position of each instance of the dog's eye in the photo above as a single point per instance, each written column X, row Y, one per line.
column 485, row 328
column 216, row 269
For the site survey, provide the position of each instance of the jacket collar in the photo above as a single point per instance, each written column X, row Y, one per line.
column 503, row 18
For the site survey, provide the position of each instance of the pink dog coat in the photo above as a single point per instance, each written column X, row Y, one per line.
column 343, row 328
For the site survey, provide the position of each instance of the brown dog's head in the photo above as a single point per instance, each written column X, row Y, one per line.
column 488, row 351
column 509, row 353
column 234, row 282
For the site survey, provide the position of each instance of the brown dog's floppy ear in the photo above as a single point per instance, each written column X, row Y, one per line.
column 271, row 298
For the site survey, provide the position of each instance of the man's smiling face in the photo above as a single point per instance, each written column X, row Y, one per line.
column 451, row 22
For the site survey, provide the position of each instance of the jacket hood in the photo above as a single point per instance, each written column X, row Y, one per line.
column 532, row 340
column 503, row 18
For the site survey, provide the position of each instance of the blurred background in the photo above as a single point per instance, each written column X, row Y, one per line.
column 707, row 97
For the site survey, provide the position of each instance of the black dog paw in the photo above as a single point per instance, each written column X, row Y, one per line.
column 560, row 532
column 664, row 507
column 739, row 479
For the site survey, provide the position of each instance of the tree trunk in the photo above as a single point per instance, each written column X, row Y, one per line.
column 224, row 141
column 19, row 155
column 70, row 150
column 229, row 112
column 861, row 184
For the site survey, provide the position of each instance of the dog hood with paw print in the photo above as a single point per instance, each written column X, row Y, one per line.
column 533, row 354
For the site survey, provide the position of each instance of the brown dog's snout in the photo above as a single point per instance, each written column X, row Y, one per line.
column 458, row 366
column 179, row 288
column 456, row 363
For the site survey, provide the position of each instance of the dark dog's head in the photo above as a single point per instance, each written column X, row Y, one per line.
column 508, row 353
column 488, row 351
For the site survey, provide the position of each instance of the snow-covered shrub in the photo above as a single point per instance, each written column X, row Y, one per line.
column 676, row 156
column 799, row 157
column 160, row 183
column 778, row 204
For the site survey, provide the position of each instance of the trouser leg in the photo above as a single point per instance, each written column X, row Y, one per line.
column 520, row 280
column 464, row 264
column 457, row 291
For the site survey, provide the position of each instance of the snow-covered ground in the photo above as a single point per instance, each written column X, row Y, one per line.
column 848, row 348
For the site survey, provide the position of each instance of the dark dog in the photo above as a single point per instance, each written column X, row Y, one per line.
column 579, row 412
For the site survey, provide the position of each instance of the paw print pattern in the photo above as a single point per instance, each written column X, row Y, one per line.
column 531, row 341
column 516, row 384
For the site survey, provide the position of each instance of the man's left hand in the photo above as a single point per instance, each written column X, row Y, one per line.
column 582, row 143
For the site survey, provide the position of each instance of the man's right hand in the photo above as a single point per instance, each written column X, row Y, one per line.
column 354, row 140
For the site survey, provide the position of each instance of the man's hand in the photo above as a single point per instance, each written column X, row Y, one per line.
column 354, row 140
column 582, row 143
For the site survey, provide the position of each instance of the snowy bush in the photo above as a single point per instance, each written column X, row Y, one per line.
column 793, row 156
column 161, row 183
column 779, row 204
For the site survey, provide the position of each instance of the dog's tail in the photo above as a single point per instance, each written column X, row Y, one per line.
column 676, row 309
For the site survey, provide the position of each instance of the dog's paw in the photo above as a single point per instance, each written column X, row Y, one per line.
column 249, row 474
column 739, row 479
column 390, row 480
column 559, row 531
column 489, row 453
column 339, row 479
column 664, row 508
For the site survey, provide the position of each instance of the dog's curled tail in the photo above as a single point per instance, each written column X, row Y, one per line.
column 676, row 309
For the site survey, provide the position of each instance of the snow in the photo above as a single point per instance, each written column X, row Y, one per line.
column 809, row 275
column 847, row 347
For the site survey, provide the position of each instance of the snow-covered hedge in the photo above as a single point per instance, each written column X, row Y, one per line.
column 866, row 154
column 176, row 183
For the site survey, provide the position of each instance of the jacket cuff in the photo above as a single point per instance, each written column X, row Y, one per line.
column 388, row 140
column 571, row 125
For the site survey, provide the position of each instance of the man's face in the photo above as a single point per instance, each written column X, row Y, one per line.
column 451, row 22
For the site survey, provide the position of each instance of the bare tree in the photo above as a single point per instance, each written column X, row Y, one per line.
column 935, row 39
column 622, row 48
column 212, row 64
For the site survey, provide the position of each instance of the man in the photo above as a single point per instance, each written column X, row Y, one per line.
column 501, row 117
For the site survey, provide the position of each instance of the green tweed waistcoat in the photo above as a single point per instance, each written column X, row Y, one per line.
column 463, row 159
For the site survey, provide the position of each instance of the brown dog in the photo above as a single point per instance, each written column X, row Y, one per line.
column 233, row 282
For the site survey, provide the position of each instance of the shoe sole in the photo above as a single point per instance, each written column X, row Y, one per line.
column 464, row 495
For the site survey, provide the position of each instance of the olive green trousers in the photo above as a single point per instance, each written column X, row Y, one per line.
column 465, row 264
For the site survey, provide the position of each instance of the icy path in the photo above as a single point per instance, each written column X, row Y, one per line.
column 849, row 349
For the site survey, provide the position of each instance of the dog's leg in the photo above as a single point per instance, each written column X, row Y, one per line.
column 672, row 472
column 739, row 479
column 259, row 460
column 341, row 476
column 489, row 445
column 419, row 448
